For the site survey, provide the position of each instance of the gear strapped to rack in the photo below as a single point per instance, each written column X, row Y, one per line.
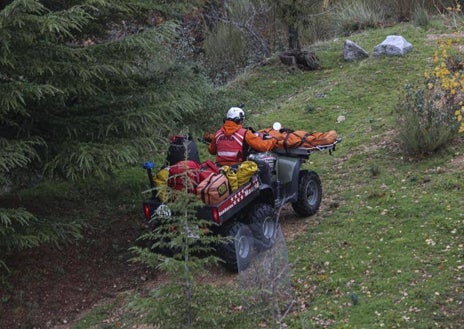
column 304, row 151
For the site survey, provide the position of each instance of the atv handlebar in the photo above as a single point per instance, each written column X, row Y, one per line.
column 204, row 141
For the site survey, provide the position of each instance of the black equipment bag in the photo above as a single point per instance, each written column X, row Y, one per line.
column 182, row 147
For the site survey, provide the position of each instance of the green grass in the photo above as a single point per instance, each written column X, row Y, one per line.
column 388, row 248
column 395, row 243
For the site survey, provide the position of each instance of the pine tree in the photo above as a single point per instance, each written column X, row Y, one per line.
column 87, row 89
column 180, row 245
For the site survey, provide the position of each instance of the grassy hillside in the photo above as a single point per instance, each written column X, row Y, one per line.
column 390, row 237
column 386, row 249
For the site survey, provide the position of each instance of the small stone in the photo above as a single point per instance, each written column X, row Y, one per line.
column 353, row 52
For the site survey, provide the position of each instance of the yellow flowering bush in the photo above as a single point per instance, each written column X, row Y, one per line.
column 455, row 16
column 447, row 73
column 430, row 114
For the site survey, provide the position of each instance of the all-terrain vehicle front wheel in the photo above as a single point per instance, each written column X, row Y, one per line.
column 309, row 194
column 263, row 224
column 236, row 252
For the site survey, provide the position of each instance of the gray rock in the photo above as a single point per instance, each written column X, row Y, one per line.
column 393, row 45
column 353, row 52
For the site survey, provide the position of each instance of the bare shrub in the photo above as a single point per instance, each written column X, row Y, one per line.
column 239, row 35
column 403, row 9
column 407, row 10
column 426, row 121
column 320, row 28
column 421, row 17
column 355, row 15
column 225, row 50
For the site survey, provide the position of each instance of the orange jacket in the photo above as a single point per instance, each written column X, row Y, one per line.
column 251, row 140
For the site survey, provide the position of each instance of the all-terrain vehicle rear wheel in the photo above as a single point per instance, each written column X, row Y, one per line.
column 236, row 252
column 263, row 225
column 309, row 194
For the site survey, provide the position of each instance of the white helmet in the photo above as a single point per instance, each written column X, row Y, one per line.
column 235, row 114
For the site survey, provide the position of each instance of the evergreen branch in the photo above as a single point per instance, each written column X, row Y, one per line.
column 14, row 96
column 17, row 153
column 79, row 160
column 65, row 23
column 15, row 9
column 134, row 51
column 20, row 230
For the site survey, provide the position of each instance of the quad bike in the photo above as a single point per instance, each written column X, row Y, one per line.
column 249, row 214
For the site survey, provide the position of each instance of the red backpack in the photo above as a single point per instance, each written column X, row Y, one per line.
column 207, row 168
column 184, row 175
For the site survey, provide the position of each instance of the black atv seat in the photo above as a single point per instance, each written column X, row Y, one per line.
column 295, row 152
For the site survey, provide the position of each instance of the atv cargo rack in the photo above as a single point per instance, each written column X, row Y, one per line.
column 305, row 151
column 235, row 202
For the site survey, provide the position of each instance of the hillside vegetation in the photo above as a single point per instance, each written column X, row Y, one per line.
column 386, row 248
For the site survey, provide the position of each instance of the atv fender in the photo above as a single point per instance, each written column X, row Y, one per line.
column 266, row 195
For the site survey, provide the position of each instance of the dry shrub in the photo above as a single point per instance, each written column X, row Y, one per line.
column 225, row 51
column 406, row 10
column 319, row 28
column 420, row 17
column 426, row 120
column 355, row 15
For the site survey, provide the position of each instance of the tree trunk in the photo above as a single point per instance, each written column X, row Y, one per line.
column 293, row 39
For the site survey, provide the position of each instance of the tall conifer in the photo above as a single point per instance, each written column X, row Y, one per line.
column 87, row 87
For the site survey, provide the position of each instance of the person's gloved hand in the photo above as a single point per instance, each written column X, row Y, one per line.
column 208, row 137
column 267, row 136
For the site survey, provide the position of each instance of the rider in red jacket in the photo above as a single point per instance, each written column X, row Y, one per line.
column 231, row 142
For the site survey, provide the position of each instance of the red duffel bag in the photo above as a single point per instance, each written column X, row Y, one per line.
column 184, row 175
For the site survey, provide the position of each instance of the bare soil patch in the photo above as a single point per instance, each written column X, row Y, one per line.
column 434, row 37
column 457, row 163
column 50, row 286
column 446, row 36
